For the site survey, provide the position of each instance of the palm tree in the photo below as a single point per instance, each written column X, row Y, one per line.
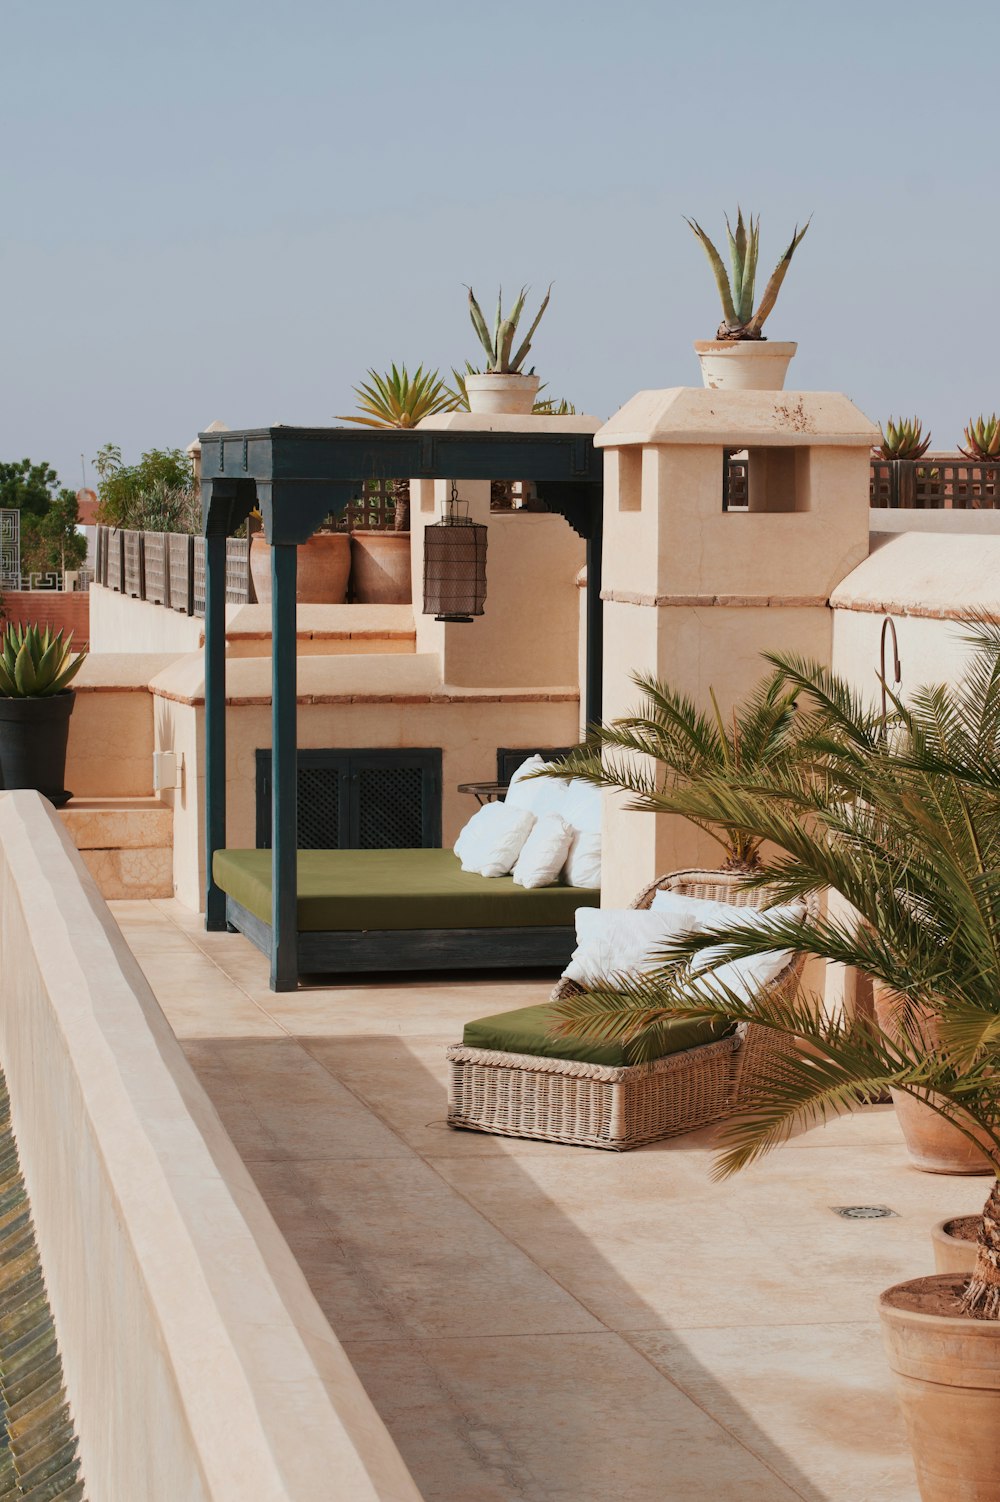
column 400, row 400
column 906, row 826
column 680, row 745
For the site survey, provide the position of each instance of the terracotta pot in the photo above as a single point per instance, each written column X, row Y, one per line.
column 380, row 568
column 323, row 568
column 743, row 364
column 952, row 1254
column 498, row 393
column 934, row 1144
column 947, row 1370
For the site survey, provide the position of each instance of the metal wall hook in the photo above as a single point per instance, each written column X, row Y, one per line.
column 889, row 630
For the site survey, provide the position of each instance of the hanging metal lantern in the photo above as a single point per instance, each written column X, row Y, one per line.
column 454, row 564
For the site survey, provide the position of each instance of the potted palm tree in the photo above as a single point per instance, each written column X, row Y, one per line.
column 739, row 358
column 36, row 701
column 907, row 829
column 380, row 560
column 503, row 387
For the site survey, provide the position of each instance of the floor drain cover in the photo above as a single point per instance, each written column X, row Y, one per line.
column 863, row 1212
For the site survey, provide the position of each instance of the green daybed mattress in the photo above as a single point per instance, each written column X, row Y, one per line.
column 359, row 890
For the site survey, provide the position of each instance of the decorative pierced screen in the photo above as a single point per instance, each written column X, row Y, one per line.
column 319, row 808
column 10, row 549
column 376, row 799
column 156, row 566
column 390, row 808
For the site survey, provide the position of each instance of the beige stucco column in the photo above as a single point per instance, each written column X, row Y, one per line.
column 529, row 634
column 694, row 593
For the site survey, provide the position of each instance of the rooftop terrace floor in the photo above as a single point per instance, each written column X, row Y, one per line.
column 539, row 1323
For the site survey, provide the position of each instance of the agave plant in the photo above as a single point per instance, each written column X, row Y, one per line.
column 499, row 344
column 678, row 745
column 903, row 438
column 400, row 400
column 740, row 321
column 35, row 664
column 907, row 828
column 982, row 436
column 543, row 406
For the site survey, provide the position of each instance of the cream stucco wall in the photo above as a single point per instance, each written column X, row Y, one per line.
column 694, row 594
column 197, row 1361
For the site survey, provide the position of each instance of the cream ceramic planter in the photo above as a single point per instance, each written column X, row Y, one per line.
column 498, row 394
column 947, row 1370
column 953, row 1254
column 743, row 364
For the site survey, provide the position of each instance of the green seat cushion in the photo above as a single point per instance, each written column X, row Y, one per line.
column 528, row 1030
column 355, row 890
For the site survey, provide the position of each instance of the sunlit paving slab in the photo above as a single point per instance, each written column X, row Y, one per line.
column 546, row 1323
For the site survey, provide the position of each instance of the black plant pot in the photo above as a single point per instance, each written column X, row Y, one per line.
column 33, row 737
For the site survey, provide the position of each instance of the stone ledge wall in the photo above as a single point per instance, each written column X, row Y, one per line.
column 197, row 1362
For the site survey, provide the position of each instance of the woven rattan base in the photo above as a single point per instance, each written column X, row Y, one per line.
column 589, row 1105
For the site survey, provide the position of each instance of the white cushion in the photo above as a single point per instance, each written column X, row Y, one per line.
column 544, row 852
column 613, row 941
column 583, row 864
column 491, row 841
column 746, row 976
column 540, row 795
column 582, row 807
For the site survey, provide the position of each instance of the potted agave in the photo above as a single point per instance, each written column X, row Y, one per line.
column 503, row 387
column 380, row 560
column 903, row 441
column 740, row 358
column 36, row 701
column 982, row 443
column 907, row 829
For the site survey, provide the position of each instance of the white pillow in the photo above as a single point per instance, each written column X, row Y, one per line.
column 612, row 942
column 746, row 976
column 544, row 852
column 583, row 806
column 541, row 795
column 583, row 864
column 491, row 841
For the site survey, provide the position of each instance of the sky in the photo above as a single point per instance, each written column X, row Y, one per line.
column 225, row 209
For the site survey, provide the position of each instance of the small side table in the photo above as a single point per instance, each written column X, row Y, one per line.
column 485, row 792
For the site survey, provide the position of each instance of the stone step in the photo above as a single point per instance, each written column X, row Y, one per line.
column 126, row 844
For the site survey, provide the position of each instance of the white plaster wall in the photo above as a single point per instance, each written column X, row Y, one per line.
column 120, row 624
column 198, row 1364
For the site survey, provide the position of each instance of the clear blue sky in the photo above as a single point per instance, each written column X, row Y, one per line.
column 230, row 209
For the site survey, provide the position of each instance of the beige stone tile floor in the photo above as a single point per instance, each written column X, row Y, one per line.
column 547, row 1324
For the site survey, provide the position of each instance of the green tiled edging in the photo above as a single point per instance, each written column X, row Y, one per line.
column 38, row 1459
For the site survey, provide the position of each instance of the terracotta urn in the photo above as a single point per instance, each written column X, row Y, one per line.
column 497, row 393
column 744, row 364
column 380, row 568
column 947, row 1369
column 955, row 1253
column 322, row 571
column 934, row 1144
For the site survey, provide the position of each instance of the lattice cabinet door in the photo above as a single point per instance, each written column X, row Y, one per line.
column 368, row 799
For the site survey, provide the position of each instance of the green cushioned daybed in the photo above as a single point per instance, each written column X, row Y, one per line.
column 402, row 909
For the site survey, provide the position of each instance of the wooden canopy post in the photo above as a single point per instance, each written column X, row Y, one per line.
column 284, row 771
column 215, row 723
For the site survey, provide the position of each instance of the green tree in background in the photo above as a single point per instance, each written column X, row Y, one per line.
column 49, row 516
column 156, row 495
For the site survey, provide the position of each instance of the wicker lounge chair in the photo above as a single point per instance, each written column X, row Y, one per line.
column 592, row 1105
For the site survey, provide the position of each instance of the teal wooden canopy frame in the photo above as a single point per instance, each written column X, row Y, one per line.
column 297, row 477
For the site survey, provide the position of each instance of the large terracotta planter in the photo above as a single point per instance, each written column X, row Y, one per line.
column 499, row 393
column 322, row 571
column 744, row 364
column 953, row 1254
column 947, row 1370
column 934, row 1144
column 380, row 568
